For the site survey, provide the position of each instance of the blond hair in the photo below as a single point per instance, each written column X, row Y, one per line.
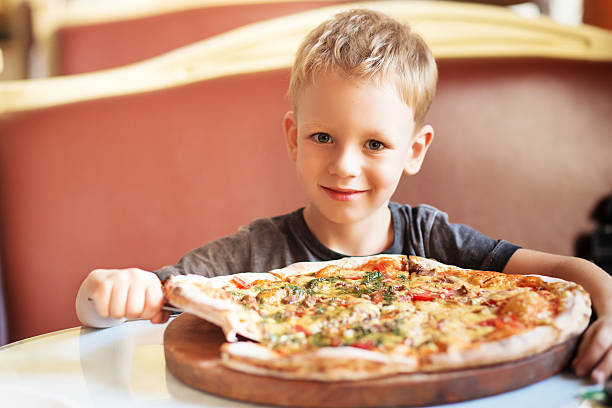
column 367, row 44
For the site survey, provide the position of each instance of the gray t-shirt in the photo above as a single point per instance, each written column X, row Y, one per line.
column 271, row 243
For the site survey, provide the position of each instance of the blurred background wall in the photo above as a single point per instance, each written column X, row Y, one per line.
column 41, row 38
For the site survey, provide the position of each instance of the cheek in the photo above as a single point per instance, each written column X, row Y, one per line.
column 387, row 174
column 308, row 163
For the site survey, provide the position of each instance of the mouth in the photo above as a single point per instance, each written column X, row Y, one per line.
column 342, row 194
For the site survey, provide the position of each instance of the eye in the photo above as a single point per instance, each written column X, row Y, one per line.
column 322, row 138
column 374, row 145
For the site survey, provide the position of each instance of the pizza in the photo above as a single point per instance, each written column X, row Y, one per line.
column 364, row 317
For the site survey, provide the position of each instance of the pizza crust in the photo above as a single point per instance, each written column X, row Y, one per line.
column 324, row 364
column 576, row 316
column 507, row 349
column 302, row 268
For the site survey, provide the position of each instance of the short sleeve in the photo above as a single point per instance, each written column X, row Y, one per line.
column 259, row 247
column 459, row 244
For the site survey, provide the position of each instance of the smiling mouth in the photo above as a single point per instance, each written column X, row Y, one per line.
column 342, row 194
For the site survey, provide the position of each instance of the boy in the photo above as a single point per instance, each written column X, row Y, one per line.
column 360, row 87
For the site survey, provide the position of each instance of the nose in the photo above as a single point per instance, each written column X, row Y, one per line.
column 346, row 162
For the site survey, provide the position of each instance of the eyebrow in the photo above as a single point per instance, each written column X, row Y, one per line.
column 317, row 125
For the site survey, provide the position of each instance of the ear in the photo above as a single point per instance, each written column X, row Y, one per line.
column 290, row 127
column 420, row 144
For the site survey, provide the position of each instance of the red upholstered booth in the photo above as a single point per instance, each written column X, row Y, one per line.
column 133, row 180
column 522, row 152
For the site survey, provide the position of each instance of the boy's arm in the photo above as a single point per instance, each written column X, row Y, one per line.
column 595, row 351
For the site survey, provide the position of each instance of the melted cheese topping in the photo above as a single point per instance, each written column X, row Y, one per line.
column 384, row 306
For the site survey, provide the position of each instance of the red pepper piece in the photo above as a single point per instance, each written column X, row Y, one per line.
column 299, row 328
column 424, row 295
column 365, row 344
column 240, row 284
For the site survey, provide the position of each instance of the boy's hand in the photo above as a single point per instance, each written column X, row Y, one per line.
column 594, row 354
column 118, row 294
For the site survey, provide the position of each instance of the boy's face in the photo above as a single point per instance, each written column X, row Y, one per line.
column 351, row 140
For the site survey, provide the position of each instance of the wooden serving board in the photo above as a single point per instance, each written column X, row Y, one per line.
column 192, row 345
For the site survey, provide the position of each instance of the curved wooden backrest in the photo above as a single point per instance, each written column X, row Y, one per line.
column 88, row 37
column 137, row 165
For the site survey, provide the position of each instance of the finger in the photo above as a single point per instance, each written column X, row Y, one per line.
column 160, row 317
column 100, row 294
column 118, row 298
column 583, row 349
column 157, row 318
column 598, row 345
column 166, row 316
column 154, row 300
column 135, row 301
column 603, row 370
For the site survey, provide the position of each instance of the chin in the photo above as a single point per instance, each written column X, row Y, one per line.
column 345, row 215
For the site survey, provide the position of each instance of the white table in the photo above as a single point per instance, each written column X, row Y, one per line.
column 124, row 366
